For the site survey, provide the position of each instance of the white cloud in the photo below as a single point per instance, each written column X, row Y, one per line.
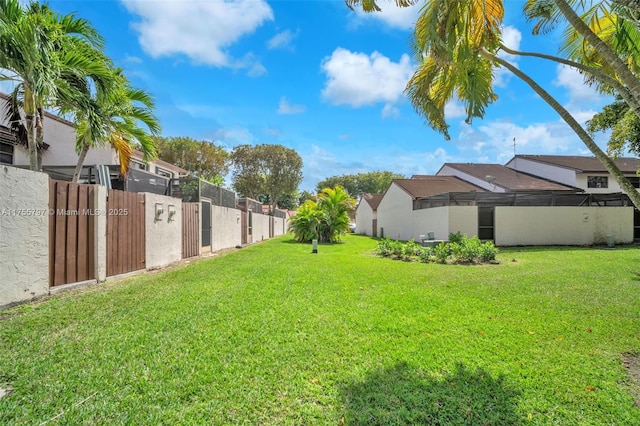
column 403, row 18
column 358, row 79
column 282, row 40
column 582, row 97
column 284, row 107
column 390, row 111
column 237, row 135
column 454, row 109
column 511, row 38
column 200, row 30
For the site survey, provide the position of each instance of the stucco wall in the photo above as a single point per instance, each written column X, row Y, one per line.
column 163, row 237
column 394, row 214
column 463, row 219
column 364, row 218
column 562, row 225
column 226, row 227
column 434, row 220
column 278, row 226
column 260, row 227
column 24, row 235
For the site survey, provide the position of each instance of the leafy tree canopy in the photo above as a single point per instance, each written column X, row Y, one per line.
column 624, row 125
column 202, row 158
column 361, row 183
column 272, row 171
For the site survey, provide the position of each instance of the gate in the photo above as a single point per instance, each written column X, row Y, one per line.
column 374, row 228
column 71, row 232
column 486, row 223
column 190, row 230
column 125, row 232
column 206, row 223
column 243, row 222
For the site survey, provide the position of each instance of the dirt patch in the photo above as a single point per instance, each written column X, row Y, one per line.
column 631, row 363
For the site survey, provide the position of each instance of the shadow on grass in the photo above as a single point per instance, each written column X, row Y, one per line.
column 403, row 395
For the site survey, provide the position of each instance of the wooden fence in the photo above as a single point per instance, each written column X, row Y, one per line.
column 190, row 230
column 71, row 232
column 125, row 232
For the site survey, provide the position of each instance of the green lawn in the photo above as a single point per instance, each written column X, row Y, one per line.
column 273, row 334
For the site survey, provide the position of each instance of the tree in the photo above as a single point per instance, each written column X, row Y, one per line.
column 457, row 42
column 325, row 219
column 271, row 170
column 115, row 117
column 624, row 125
column 361, row 183
column 54, row 61
column 203, row 159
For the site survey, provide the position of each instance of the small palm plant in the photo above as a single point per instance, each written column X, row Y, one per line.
column 325, row 219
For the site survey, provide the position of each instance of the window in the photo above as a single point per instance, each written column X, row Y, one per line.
column 6, row 153
column 635, row 181
column 138, row 165
column 597, row 182
column 163, row 172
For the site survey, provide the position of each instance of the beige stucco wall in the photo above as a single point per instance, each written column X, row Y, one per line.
column 434, row 220
column 394, row 213
column 562, row 225
column 364, row 218
column 163, row 237
column 226, row 227
column 463, row 219
column 260, row 227
column 24, row 235
column 278, row 226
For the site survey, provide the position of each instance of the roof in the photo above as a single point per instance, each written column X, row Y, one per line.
column 138, row 155
column 583, row 163
column 373, row 200
column 427, row 186
column 509, row 179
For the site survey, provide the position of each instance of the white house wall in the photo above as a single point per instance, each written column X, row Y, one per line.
column 394, row 214
column 163, row 236
column 463, row 219
column 613, row 186
column 364, row 218
column 279, row 227
column 547, row 171
column 61, row 137
column 450, row 171
column 562, row 225
column 24, row 235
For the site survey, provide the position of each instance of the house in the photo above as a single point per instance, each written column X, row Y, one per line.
column 398, row 216
column 499, row 178
column 586, row 173
column 59, row 158
column 366, row 214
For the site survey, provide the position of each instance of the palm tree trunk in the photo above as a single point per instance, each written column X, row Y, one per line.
column 608, row 163
column 31, row 125
column 81, row 157
column 621, row 69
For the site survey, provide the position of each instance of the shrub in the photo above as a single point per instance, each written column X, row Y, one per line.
column 425, row 254
column 488, row 252
column 463, row 250
column 441, row 252
column 456, row 237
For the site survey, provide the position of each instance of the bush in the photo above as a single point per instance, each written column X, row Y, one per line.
column 460, row 250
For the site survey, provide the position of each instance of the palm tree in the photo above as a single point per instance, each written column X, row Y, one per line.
column 115, row 117
column 456, row 44
column 334, row 203
column 53, row 60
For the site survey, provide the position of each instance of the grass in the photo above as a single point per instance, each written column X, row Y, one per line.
column 272, row 334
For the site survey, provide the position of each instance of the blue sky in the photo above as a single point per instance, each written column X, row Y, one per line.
column 326, row 81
